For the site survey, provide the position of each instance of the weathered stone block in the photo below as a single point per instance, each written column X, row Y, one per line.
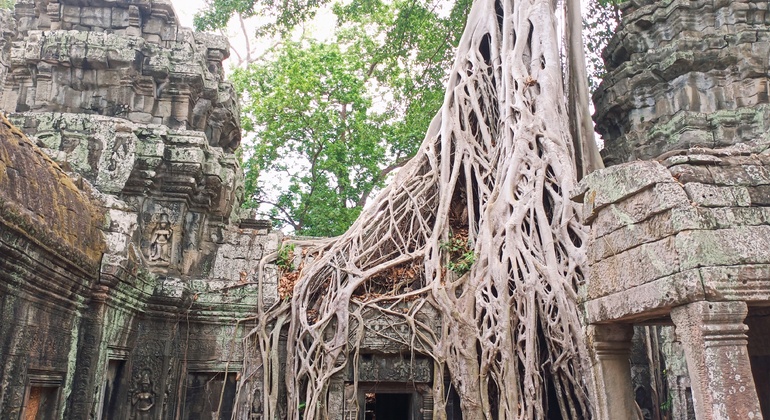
column 759, row 195
column 692, row 173
column 728, row 217
column 96, row 16
column 717, row 196
column 740, row 245
column 647, row 301
column 610, row 185
column 654, row 228
column 750, row 282
column 637, row 208
column 140, row 117
column 633, row 267
column 70, row 14
column 692, row 159
column 120, row 18
column 745, row 172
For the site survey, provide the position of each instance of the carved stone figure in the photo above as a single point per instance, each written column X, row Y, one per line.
column 143, row 399
column 256, row 406
column 160, row 243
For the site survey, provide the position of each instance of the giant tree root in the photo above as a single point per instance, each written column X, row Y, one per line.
column 495, row 170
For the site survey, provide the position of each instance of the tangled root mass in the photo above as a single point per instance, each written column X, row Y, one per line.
column 477, row 229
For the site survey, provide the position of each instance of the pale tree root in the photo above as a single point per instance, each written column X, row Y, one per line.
column 496, row 170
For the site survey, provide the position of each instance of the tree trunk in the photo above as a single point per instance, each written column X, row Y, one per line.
column 496, row 170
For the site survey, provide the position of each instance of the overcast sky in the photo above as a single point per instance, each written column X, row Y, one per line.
column 185, row 10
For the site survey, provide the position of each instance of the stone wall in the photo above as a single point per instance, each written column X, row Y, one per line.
column 148, row 278
column 124, row 59
column 684, row 73
column 678, row 227
column 51, row 246
column 7, row 33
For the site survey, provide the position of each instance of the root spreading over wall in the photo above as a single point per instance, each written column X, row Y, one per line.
column 478, row 226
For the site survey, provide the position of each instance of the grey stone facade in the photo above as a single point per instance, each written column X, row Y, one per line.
column 126, row 268
column 680, row 237
column 684, row 74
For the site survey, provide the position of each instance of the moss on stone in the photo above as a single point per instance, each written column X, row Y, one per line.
column 38, row 198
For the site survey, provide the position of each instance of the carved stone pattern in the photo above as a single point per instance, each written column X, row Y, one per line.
column 375, row 368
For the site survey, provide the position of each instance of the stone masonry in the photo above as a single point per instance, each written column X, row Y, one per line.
column 682, row 236
column 684, row 74
column 125, row 266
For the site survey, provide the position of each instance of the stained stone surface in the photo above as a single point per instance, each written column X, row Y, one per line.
column 665, row 235
column 120, row 59
column 684, row 73
column 126, row 268
column 687, row 228
column 7, row 32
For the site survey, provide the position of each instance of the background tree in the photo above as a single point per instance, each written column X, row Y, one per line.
column 331, row 120
column 600, row 20
column 372, row 90
column 317, row 138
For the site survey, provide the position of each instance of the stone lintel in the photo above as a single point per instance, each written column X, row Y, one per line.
column 750, row 282
column 647, row 301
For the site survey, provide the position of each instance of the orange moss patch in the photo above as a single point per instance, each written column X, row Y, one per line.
column 39, row 199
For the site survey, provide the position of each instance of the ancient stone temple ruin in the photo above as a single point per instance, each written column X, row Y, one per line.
column 127, row 269
column 124, row 264
column 679, row 232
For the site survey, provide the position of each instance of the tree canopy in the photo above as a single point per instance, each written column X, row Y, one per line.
column 331, row 120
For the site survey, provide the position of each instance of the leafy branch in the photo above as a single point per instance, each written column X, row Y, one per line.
column 461, row 254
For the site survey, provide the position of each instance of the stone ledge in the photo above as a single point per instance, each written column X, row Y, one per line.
column 748, row 283
column 647, row 301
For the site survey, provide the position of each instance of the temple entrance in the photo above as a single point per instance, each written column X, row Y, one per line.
column 395, row 401
column 388, row 406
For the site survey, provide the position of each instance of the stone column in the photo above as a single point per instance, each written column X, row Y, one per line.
column 715, row 344
column 612, row 369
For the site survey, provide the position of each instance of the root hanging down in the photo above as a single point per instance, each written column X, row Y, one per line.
column 477, row 229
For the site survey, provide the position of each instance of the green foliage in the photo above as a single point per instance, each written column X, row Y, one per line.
column 285, row 260
column 599, row 23
column 278, row 17
column 461, row 254
column 331, row 120
column 7, row 4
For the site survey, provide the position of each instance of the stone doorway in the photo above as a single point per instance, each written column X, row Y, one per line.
column 393, row 401
column 42, row 396
column 390, row 386
column 388, row 406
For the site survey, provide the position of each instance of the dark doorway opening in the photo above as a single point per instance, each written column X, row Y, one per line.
column 210, row 395
column 41, row 403
column 387, row 406
column 112, row 387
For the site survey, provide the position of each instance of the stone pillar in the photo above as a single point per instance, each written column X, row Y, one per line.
column 715, row 344
column 612, row 369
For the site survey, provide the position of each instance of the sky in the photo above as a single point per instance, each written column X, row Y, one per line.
column 321, row 28
column 185, row 10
